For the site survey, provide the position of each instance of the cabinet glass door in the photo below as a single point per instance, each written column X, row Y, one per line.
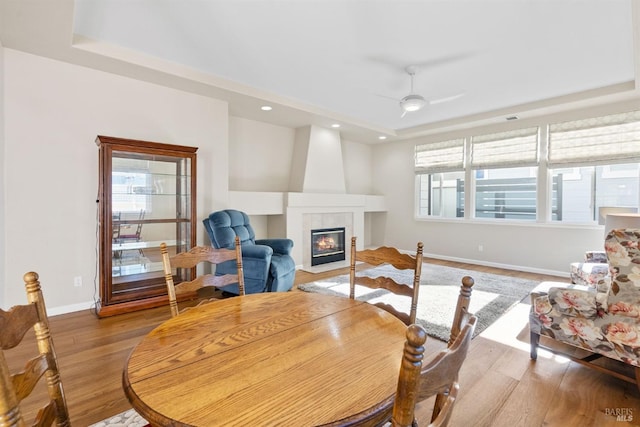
column 148, row 198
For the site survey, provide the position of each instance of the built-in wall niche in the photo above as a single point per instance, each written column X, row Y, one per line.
column 147, row 193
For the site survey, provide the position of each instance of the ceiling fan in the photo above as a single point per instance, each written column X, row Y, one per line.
column 415, row 102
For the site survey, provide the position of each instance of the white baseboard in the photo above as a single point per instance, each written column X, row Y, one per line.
column 527, row 269
column 70, row 308
column 499, row 265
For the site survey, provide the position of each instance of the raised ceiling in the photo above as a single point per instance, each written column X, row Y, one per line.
column 329, row 61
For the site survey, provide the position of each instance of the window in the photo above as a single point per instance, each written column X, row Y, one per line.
column 586, row 166
column 505, row 166
column 606, row 153
column 440, row 178
column 441, row 194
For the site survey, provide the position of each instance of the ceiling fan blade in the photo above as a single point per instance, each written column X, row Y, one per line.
column 388, row 97
column 446, row 99
column 443, row 60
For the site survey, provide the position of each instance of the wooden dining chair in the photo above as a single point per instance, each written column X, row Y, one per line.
column 400, row 261
column 191, row 259
column 439, row 376
column 15, row 387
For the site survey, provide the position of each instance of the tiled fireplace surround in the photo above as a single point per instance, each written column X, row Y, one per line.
column 293, row 215
column 323, row 211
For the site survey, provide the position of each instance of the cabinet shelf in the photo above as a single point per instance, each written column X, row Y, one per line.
column 148, row 192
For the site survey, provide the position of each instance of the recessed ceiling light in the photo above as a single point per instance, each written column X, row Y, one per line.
column 335, row 125
column 382, row 137
column 266, row 108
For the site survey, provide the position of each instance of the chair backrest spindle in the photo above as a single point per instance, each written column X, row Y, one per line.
column 191, row 259
column 400, row 261
column 16, row 387
column 439, row 377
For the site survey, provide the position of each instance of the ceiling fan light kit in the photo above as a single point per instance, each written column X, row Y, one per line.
column 412, row 103
column 415, row 102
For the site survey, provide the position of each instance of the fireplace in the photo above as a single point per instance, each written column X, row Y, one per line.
column 327, row 245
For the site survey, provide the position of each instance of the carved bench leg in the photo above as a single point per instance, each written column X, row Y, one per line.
column 535, row 339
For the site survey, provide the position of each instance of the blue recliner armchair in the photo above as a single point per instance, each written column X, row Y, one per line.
column 267, row 263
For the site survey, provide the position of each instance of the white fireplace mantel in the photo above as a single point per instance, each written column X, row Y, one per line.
column 276, row 203
column 302, row 209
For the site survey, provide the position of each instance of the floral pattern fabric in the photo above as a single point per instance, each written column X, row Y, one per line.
column 604, row 319
column 591, row 271
column 587, row 273
column 599, row 257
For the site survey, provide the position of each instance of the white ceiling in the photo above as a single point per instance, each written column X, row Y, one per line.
column 326, row 61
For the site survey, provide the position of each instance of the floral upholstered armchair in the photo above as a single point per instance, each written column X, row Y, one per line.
column 604, row 320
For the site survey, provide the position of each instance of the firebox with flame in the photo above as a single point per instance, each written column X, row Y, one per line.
column 325, row 242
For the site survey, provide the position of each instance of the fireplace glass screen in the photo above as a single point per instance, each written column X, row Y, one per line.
column 327, row 245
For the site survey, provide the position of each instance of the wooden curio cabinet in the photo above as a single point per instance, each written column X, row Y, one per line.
column 147, row 196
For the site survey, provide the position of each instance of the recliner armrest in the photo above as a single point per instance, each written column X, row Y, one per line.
column 279, row 246
column 257, row 251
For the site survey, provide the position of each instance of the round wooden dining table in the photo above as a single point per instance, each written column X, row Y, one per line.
column 270, row 359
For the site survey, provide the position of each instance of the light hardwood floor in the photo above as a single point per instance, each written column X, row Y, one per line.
column 500, row 385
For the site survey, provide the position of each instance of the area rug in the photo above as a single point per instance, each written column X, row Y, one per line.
column 129, row 418
column 492, row 295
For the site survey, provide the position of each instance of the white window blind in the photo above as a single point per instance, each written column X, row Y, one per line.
column 505, row 149
column 444, row 156
column 613, row 138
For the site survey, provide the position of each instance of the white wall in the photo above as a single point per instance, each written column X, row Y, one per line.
column 358, row 167
column 53, row 112
column 537, row 247
column 358, row 173
column 324, row 170
column 261, row 159
column 259, row 155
